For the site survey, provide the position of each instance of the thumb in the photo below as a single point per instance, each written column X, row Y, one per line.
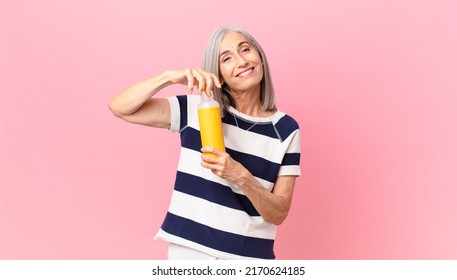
column 212, row 150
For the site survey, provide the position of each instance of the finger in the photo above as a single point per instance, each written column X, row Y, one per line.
column 190, row 80
column 212, row 167
column 216, row 80
column 205, row 164
column 212, row 150
column 209, row 84
column 211, row 80
column 208, row 158
column 200, row 78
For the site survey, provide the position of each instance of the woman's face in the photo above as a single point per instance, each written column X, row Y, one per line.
column 240, row 65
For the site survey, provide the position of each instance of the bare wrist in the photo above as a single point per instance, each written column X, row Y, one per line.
column 242, row 179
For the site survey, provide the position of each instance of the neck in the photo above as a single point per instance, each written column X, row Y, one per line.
column 248, row 102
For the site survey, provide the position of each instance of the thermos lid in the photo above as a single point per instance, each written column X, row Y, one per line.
column 207, row 101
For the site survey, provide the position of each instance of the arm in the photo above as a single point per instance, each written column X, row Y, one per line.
column 273, row 206
column 136, row 105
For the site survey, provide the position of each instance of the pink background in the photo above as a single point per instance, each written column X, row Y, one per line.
column 371, row 83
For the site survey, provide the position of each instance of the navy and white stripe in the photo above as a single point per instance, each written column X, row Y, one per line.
column 212, row 215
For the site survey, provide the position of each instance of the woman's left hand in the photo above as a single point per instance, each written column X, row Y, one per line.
column 223, row 165
column 273, row 205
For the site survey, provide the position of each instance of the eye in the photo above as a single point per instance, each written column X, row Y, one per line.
column 246, row 49
column 225, row 59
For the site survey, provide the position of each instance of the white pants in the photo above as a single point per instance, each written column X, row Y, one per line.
column 179, row 252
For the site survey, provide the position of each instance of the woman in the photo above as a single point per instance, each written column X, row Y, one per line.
column 226, row 207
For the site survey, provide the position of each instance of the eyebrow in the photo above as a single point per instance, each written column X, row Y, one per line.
column 239, row 44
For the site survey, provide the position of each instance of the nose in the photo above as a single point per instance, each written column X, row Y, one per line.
column 241, row 61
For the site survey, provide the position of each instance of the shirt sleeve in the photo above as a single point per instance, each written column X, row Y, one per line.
column 180, row 107
column 291, row 162
column 175, row 114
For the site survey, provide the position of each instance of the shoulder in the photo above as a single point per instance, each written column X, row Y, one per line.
column 284, row 119
column 285, row 125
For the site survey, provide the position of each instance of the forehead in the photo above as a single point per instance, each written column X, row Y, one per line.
column 231, row 40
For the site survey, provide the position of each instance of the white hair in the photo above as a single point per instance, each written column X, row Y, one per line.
column 211, row 64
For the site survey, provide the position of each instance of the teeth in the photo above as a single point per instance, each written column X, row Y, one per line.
column 242, row 74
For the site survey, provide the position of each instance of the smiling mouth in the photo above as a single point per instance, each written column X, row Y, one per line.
column 245, row 72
